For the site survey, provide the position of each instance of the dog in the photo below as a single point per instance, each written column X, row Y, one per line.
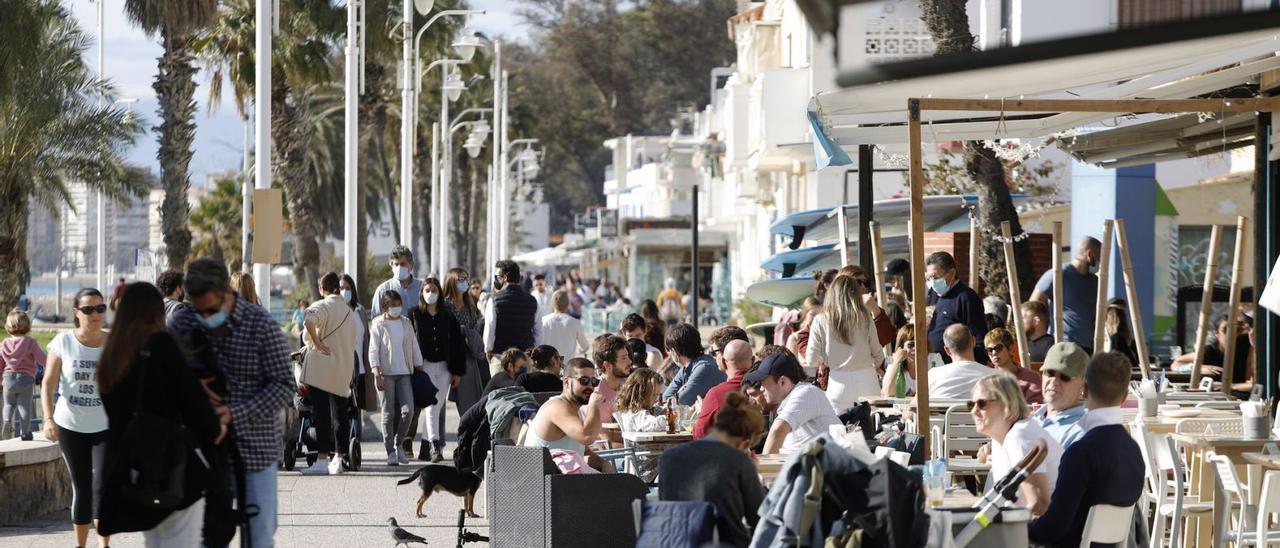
column 438, row 477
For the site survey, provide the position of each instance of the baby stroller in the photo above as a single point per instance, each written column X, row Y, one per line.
column 300, row 433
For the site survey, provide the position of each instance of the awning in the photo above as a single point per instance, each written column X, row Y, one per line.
column 546, row 256
column 877, row 113
column 807, row 260
column 1185, row 136
column 784, row 292
column 820, row 225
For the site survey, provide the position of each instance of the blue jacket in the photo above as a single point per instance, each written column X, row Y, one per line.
column 694, row 380
column 1103, row 467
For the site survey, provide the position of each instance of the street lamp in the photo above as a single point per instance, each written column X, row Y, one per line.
column 529, row 159
column 423, row 6
column 453, row 85
column 466, row 43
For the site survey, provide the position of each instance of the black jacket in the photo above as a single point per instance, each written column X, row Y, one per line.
column 440, row 338
column 961, row 304
column 1103, row 467
column 171, row 391
column 514, row 312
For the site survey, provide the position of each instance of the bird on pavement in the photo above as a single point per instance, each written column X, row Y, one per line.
column 401, row 536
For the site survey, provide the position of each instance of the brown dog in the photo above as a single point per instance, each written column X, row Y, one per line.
column 438, row 477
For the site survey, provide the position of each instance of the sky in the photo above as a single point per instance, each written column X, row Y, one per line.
column 130, row 62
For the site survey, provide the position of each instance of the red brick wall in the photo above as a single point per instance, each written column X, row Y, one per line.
column 957, row 244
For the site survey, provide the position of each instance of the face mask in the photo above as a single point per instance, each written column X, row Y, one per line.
column 431, row 297
column 463, row 286
column 215, row 321
column 1093, row 268
column 346, row 295
column 939, row 286
column 401, row 272
column 394, row 312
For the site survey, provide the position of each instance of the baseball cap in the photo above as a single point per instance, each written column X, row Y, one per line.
column 1067, row 358
column 775, row 365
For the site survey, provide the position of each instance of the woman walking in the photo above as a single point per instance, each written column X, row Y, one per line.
column 843, row 341
column 393, row 355
column 79, row 423
column 440, row 339
column 458, row 301
column 142, row 370
column 20, row 357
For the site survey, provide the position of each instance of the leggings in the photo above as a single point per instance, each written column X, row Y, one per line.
column 18, row 391
column 83, row 454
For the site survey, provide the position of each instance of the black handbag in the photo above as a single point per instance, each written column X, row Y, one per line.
column 424, row 391
column 154, row 455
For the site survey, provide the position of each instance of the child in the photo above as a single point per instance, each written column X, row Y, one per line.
column 20, row 355
column 393, row 355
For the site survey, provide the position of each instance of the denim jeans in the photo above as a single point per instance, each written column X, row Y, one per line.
column 260, row 491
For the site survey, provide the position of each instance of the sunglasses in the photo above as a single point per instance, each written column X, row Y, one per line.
column 909, row 345
column 977, row 404
column 93, row 309
column 589, row 381
column 1054, row 374
column 995, row 348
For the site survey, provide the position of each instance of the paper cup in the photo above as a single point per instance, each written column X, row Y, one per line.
column 1257, row 427
column 1147, row 407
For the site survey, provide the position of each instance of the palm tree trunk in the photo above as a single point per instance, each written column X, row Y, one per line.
column 14, row 274
column 290, row 136
column 175, row 88
column 949, row 27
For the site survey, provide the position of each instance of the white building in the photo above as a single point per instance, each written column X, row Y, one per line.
column 127, row 229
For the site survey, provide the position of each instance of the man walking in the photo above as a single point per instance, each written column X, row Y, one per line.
column 954, row 303
column 511, row 315
column 245, row 344
column 402, row 281
column 1079, row 292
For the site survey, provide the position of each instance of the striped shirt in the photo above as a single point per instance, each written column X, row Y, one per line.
column 255, row 360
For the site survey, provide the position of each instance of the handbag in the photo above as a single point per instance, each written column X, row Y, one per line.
column 424, row 391
column 321, row 370
column 155, row 450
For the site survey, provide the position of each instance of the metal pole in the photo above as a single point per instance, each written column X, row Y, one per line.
column 262, row 115
column 693, row 288
column 435, row 199
column 246, row 199
column 100, row 239
column 866, row 206
column 406, row 124
column 351, row 145
column 499, row 117
column 504, row 207
column 446, row 175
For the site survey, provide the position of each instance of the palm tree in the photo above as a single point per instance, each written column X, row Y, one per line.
column 176, row 23
column 216, row 221
column 55, row 128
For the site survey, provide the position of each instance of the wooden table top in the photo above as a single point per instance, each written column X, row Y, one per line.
column 657, row 437
column 1222, row 440
column 1268, row 461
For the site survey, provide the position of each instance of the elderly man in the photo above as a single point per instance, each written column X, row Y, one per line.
column 803, row 410
column 1079, row 292
column 1062, row 378
column 956, row 379
column 954, row 303
column 735, row 359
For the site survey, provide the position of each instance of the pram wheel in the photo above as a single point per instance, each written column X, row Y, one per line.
column 290, row 455
column 353, row 455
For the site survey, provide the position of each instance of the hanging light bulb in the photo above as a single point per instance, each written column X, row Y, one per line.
column 466, row 43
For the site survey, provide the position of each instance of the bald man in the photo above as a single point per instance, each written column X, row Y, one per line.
column 1079, row 292
column 735, row 360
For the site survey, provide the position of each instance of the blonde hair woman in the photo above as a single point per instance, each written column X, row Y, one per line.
column 843, row 340
column 999, row 411
column 243, row 284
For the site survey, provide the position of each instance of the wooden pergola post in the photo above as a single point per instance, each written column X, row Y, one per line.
column 1206, row 304
column 842, row 228
column 877, row 262
column 1057, row 282
column 975, row 253
column 1104, row 277
column 1131, row 289
column 1233, row 325
column 1015, row 294
column 917, row 275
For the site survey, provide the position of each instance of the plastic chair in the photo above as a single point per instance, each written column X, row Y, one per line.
column 1172, row 502
column 1236, row 494
column 1268, row 505
column 1220, row 426
column 961, row 435
column 1106, row 524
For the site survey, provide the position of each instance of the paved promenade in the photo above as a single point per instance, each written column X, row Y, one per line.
column 347, row 510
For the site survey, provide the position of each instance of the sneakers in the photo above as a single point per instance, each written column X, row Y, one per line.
column 437, row 453
column 401, row 457
column 335, row 467
column 320, row 468
column 392, row 460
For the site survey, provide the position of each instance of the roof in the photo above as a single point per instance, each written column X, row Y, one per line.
column 1201, row 64
column 1184, row 136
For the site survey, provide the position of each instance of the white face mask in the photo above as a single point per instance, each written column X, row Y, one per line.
column 431, row 297
column 394, row 312
column 401, row 272
column 346, row 295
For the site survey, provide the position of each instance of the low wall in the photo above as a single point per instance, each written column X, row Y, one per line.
column 35, row 473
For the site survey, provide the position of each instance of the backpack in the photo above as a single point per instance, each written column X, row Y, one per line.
column 670, row 309
column 154, row 455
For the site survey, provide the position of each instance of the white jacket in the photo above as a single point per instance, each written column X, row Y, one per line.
column 394, row 357
column 853, row 366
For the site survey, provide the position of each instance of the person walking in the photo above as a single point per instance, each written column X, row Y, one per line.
column 441, row 342
column 402, row 281
column 143, row 371
column 242, row 283
column 510, row 314
column 843, row 342
column 671, row 303
column 169, row 283
column 563, row 331
column 244, row 345
column 79, row 423
column 20, row 357
column 393, row 355
column 327, row 370
column 458, row 302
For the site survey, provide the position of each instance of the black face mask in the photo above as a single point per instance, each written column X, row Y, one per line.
column 497, row 283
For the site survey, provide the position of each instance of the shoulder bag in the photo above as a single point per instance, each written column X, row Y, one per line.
column 154, row 456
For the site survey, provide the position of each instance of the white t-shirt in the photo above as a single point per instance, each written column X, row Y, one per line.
column 956, row 379
column 1017, row 443
column 79, row 406
column 808, row 412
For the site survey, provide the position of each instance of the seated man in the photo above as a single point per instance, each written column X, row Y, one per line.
column 697, row 371
column 559, row 425
column 734, row 359
column 804, row 412
column 1104, row 466
column 633, row 328
column 1035, row 322
column 1062, row 378
column 956, row 379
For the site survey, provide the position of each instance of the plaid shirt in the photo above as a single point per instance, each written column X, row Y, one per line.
column 255, row 360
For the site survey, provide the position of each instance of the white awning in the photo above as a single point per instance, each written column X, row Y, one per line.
column 877, row 113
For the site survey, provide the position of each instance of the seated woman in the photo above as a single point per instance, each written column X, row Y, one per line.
column 903, row 357
column 513, row 363
column 718, row 469
column 999, row 411
column 1242, row 371
column 1000, row 350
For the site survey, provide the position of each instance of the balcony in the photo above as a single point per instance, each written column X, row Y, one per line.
column 776, row 119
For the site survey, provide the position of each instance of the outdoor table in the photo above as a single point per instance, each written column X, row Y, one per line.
column 1201, row 476
column 769, row 466
column 652, row 444
column 1163, row 424
column 1268, row 461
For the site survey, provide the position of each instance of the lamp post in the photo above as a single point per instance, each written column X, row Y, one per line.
column 263, row 19
column 100, row 240
column 504, row 193
column 447, row 87
column 409, row 91
column 353, row 86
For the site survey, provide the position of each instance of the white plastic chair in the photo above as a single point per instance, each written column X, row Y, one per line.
column 1172, row 502
column 1236, row 495
column 1106, row 524
column 1268, row 505
column 1219, row 426
column 961, row 435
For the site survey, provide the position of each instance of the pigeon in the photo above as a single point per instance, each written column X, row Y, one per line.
column 401, row 536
